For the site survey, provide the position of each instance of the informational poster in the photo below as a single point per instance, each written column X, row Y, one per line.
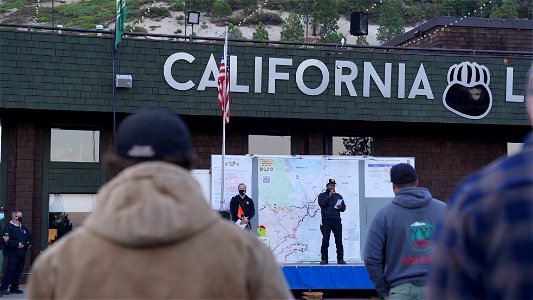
column 237, row 169
column 204, row 179
column 377, row 175
column 288, row 190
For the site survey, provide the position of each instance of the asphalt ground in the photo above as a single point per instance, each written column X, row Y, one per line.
column 16, row 296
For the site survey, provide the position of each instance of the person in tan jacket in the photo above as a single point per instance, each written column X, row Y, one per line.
column 152, row 234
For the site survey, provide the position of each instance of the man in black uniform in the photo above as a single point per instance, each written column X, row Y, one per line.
column 15, row 250
column 331, row 205
column 242, row 207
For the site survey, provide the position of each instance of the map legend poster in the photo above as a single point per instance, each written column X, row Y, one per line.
column 377, row 175
column 237, row 169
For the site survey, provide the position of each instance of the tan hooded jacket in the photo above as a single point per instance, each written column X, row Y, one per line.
column 153, row 235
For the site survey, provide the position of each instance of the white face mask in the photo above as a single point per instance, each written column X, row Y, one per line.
column 1, row 217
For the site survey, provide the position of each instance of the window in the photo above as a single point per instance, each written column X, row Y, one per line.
column 269, row 144
column 513, row 148
column 352, row 145
column 66, row 212
column 75, row 145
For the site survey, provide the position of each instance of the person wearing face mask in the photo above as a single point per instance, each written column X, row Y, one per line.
column 15, row 250
column 242, row 207
column 3, row 211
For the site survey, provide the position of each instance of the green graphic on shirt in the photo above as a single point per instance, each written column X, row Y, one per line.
column 419, row 235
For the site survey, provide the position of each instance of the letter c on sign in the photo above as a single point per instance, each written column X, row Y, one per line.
column 167, row 71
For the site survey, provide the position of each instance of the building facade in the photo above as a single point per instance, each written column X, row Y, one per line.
column 454, row 113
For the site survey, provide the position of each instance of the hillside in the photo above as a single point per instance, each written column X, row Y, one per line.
column 168, row 17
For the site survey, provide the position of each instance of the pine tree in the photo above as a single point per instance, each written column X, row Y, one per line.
column 506, row 10
column 260, row 32
column 390, row 21
column 332, row 37
column 325, row 16
column 234, row 32
column 220, row 9
column 361, row 40
column 292, row 30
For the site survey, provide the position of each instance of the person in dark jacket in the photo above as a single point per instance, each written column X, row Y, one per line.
column 331, row 205
column 15, row 250
column 399, row 242
column 242, row 207
column 4, row 239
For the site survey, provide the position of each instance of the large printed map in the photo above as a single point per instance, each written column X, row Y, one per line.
column 287, row 192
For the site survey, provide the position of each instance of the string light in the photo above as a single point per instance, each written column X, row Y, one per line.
column 447, row 25
column 259, row 7
column 36, row 11
column 374, row 6
column 139, row 21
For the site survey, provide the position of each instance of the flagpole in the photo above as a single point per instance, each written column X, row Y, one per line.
column 113, row 101
column 224, row 121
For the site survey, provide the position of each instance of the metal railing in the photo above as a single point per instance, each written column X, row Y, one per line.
column 336, row 49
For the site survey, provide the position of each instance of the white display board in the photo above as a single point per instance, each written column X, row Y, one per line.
column 288, row 189
column 71, row 202
column 377, row 175
column 237, row 169
column 204, row 179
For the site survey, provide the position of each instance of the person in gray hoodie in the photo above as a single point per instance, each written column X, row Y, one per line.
column 398, row 247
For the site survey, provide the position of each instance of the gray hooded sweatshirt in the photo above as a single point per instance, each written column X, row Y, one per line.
column 399, row 242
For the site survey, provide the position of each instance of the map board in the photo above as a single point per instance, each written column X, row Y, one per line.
column 288, row 190
column 285, row 190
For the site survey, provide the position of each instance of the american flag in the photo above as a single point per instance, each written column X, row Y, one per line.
column 223, row 83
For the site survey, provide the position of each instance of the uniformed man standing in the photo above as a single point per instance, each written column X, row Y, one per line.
column 331, row 205
column 242, row 207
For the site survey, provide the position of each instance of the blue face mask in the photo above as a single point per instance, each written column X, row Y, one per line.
column 1, row 217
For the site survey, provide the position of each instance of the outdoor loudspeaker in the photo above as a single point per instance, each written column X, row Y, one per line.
column 359, row 23
column 123, row 81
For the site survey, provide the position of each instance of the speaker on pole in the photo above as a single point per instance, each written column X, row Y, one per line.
column 359, row 23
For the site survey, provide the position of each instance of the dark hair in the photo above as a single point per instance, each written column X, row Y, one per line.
column 116, row 164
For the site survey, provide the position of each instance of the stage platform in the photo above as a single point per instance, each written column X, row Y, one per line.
column 331, row 276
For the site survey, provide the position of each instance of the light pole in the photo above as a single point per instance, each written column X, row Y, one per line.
column 193, row 17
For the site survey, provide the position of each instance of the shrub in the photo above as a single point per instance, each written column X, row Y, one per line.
column 220, row 9
column 234, row 32
column 176, row 5
column 156, row 12
column 286, row 5
column 266, row 18
column 129, row 28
